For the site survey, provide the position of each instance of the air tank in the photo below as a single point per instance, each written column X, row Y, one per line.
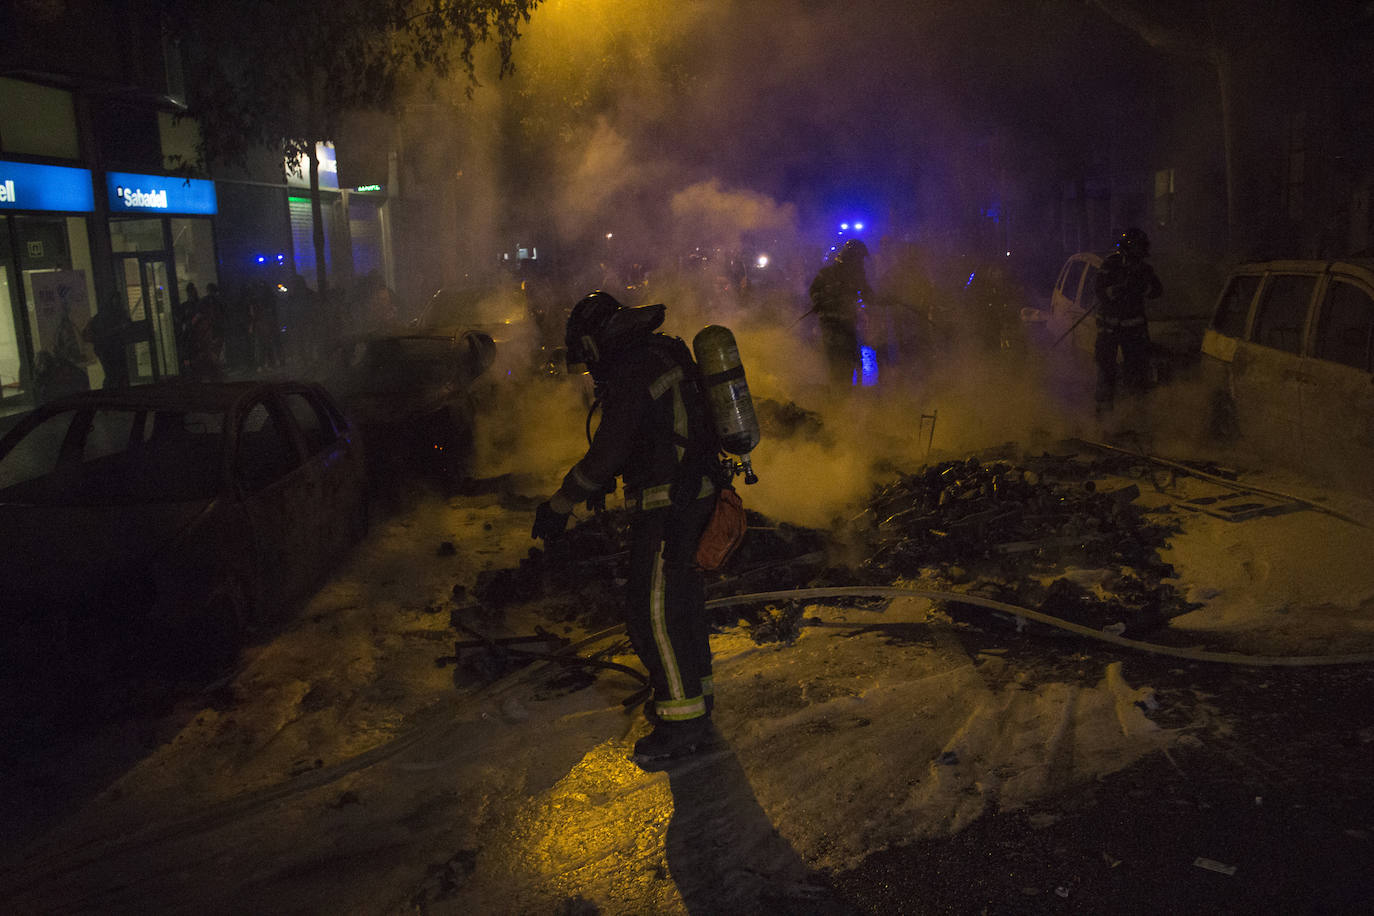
column 732, row 408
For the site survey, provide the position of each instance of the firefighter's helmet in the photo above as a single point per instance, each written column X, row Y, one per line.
column 599, row 327
column 1134, row 243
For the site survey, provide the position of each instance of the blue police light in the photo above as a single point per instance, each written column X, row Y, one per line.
column 844, row 227
column 262, row 259
column 858, row 227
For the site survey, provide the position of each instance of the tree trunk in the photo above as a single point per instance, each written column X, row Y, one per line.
column 317, row 224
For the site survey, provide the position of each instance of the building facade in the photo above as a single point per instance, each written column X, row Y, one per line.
column 98, row 210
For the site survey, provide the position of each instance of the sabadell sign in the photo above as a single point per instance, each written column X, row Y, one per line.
column 28, row 186
column 162, row 194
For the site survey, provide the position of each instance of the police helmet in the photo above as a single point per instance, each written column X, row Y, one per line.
column 599, row 326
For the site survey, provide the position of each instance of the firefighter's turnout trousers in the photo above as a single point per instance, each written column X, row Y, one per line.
column 666, row 614
column 1131, row 338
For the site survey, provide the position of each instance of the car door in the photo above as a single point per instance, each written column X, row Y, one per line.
column 337, row 472
column 1336, row 381
column 279, row 493
column 1266, row 362
column 1072, row 298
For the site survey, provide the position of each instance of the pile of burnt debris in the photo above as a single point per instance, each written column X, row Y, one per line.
column 574, row 578
column 1062, row 534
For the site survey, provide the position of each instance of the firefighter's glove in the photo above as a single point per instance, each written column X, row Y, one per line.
column 548, row 524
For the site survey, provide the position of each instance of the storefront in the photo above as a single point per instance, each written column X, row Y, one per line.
column 162, row 241
column 163, row 244
column 47, row 284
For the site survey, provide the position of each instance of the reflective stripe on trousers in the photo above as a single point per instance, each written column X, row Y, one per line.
column 665, row 608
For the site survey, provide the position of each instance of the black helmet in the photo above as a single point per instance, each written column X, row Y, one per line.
column 851, row 251
column 1134, row 242
column 599, row 326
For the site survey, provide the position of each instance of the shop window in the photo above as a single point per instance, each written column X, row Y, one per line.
column 128, row 235
column 303, row 236
column 59, row 289
column 193, row 248
column 37, row 120
column 11, row 350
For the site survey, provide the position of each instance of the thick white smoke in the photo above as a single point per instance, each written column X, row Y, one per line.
column 666, row 147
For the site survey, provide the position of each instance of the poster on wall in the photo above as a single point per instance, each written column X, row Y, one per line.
column 62, row 310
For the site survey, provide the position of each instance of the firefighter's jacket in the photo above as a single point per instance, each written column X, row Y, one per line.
column 836, row 292
column 1122, row 288
column 655, row 431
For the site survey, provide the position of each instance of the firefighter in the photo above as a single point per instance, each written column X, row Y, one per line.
column 836, row 293
column 656, row 434
column 1125, row 281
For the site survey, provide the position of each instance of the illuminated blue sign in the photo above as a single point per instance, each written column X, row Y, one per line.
column 26, row 186
column 160, row 194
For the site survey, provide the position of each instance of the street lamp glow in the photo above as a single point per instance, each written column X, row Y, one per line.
column 761, row 262
column 610, row 235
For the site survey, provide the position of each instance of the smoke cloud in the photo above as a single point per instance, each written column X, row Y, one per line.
column 703, row 155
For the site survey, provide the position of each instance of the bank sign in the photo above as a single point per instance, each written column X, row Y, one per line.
column 27, row 186
column 162, row 194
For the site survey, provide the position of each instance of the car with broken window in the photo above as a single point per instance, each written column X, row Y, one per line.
column 1288, row 361
column 413, row 397
column 157, row 527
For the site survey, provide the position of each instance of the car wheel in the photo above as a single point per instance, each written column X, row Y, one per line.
column 216, row 637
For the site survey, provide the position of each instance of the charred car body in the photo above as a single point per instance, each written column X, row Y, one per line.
column 158, row 525
column 411, row 395
column 1289, row 364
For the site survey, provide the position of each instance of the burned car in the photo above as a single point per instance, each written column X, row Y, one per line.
column 157, row 526
column 412, row 396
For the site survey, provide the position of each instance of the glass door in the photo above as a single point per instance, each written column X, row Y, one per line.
column 152, row 301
